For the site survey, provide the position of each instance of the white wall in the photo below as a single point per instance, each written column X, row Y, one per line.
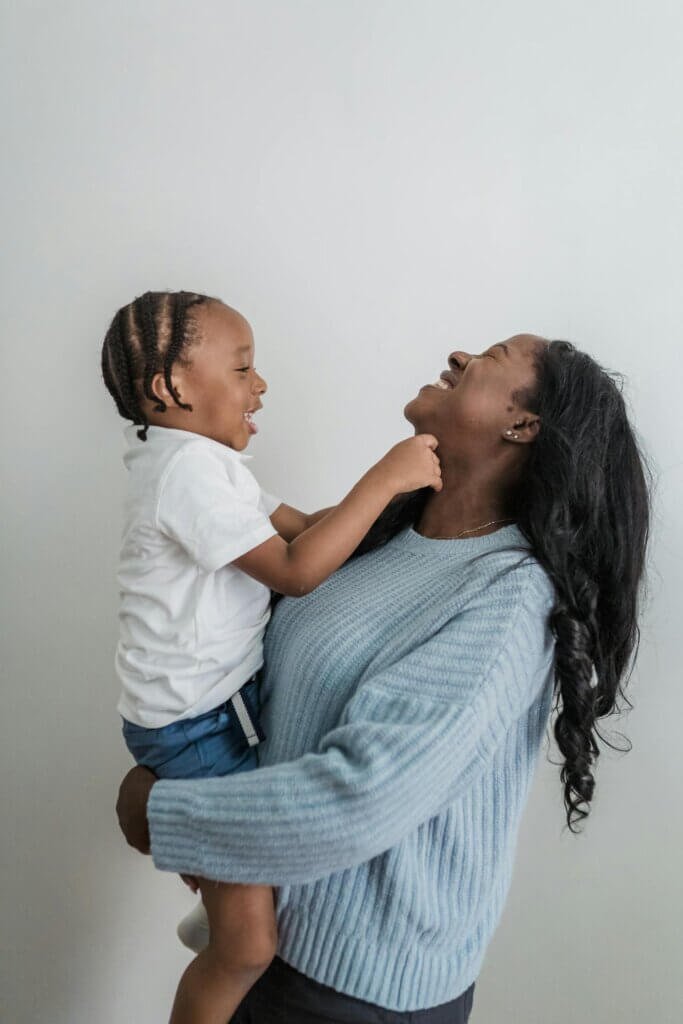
column 373, row 184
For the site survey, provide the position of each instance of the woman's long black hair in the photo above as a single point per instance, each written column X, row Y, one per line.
column 583, row 503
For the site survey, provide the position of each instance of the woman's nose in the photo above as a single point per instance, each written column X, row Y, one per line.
column 458, row 360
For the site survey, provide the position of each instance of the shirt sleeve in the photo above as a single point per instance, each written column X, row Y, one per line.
column 410, row 741
column 270, row 502
column 213, row 511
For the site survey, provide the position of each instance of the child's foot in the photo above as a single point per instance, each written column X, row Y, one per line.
column 193, row 930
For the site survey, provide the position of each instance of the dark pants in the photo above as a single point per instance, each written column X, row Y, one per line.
column 284, row 996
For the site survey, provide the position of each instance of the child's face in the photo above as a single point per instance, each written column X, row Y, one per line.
column 221, row 383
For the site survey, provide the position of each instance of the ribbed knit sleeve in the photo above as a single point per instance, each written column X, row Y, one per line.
column 410, row 740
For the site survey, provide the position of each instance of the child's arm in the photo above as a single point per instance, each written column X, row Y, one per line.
column 297, row 567
column 290, row 522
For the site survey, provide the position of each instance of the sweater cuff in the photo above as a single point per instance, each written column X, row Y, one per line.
column 174, row 837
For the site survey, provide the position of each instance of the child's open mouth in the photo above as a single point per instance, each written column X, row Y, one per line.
column 253, row 429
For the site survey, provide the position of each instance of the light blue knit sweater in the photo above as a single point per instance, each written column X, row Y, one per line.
column 405, row 702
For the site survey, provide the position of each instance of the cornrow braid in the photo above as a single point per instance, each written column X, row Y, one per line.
column 148, row 336
column 117, row 367
column 178, row 337
column 144, row 312
column 110, row 347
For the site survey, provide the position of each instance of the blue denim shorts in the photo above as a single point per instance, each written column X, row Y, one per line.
column 197, row 748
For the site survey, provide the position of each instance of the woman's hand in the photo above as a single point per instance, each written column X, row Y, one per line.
column 131, row 807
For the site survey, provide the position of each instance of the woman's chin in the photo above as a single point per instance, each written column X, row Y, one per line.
column 414, row 412
column 407, row 412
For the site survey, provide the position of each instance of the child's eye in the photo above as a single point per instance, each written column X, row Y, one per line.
column 243, row 369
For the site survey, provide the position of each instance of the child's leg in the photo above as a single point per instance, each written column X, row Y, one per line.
column 242, row 943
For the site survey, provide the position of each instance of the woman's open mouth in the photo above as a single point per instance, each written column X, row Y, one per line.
column 446, row 382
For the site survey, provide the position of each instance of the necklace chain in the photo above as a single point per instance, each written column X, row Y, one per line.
column 463, row 533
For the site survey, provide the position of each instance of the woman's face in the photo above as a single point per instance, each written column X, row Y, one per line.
column 472, row 406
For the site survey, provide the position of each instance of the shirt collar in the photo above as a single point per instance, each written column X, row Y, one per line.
column 174, row 434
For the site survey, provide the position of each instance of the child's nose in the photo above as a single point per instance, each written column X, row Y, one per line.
column 260, row 384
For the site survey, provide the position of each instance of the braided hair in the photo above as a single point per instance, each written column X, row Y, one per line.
column 146, row 337
column 583, row 504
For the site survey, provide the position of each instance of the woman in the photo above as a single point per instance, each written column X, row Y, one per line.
column 406, row 698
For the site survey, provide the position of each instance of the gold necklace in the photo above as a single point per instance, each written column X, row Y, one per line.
column 494, row 522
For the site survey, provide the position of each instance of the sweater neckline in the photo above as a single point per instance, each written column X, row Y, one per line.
column 506, row 537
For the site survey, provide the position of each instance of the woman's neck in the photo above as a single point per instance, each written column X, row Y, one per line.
column 463, row 506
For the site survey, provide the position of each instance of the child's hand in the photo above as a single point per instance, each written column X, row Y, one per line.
column 412, row 464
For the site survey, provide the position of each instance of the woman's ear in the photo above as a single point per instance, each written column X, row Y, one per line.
column 523, row 431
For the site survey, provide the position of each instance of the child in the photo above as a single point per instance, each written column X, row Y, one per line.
column 202, row 548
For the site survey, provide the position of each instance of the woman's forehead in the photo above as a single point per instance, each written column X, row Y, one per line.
column 521, row 349
column 527, row 343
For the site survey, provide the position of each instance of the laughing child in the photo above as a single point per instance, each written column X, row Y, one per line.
column 202, row 548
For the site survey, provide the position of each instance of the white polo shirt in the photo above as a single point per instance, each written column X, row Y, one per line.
column 191, row 624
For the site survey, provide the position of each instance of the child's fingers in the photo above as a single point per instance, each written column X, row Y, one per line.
column 438, row 483
column 429, row 439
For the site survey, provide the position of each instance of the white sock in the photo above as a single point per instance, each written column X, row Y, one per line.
column 193, row 930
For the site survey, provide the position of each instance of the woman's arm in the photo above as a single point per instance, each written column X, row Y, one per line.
column 412, row 739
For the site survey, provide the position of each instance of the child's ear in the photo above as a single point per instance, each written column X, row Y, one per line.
column 160, row 390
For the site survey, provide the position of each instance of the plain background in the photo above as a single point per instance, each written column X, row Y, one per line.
column 373, row 184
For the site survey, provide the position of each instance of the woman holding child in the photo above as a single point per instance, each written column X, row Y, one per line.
column 406, row 698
